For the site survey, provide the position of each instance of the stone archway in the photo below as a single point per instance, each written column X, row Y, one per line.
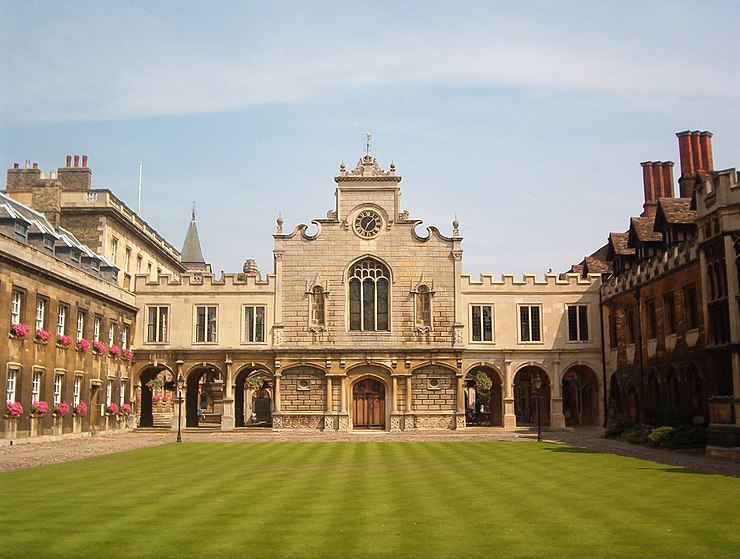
column 580, row 396
column 484, row 402
column 525, row 402
column 204, row 393
column 253, row 397
column 156, row 389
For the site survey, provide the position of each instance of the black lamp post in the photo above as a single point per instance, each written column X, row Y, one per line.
column 180, row 384
column 537, row 385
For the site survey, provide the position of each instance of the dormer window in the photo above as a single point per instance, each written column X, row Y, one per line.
column 21, row 230
column 74, row 256
column 95, row 265
column 49, row 245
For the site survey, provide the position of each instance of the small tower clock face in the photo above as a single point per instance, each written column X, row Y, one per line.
column 368, row 224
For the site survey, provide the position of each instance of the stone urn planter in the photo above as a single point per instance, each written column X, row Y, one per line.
column 11, row 428
column 77, row 424
column 35, row 425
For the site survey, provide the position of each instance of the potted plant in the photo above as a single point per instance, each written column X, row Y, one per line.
column 13, row 411
column 114, row 351
column 39, row 409
column 42, row 336
column 98, row 348
column 83, row 345
column 80, row 410
column 60, row 410
column 63, row 341
column 127, row 355
column 19, row 331
column 111, row 409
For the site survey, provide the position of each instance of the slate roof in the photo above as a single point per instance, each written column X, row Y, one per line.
column 191, row 252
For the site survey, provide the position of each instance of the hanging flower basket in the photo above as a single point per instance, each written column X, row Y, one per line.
column 19, row 331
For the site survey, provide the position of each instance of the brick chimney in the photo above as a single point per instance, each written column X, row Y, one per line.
column 657, row 180
column 695, row 149
column 75, row 178
column 21, row 179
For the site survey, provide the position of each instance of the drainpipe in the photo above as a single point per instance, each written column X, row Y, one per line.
column 603, row 357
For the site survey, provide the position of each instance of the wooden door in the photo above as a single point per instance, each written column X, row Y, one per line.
column 368, row 404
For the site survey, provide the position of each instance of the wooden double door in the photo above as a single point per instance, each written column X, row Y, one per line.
column 368, row 405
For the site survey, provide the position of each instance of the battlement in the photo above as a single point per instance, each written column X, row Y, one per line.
column 546, row 283
column 209, row 283
column 675, row 257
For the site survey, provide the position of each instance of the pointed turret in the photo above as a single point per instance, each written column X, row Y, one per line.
column 192, row 255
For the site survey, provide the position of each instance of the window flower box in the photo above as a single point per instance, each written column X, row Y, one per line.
column 63, row 341
column 61, row 409
column 39, row 409
column 98, row 348
column 42, row 336
column 127, row 355
column 114, row 351
column 83, row 345
column 111, row 409
column 80, row 409
column 19, row 331
column 13, row 410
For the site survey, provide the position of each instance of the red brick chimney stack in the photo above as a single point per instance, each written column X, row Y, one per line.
column 695, row 149
column 657, row 179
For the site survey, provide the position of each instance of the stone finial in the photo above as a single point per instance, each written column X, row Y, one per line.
column 456, row 228
column 279, row 222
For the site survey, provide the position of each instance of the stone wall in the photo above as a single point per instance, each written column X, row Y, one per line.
column 303, row 389
column 433, row 390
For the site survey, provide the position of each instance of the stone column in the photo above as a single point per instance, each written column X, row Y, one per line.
column 277, row 391
column 557, row 419
column 227, row 419
column 509, row 415
column 329, row 386
column 343, row 395
column 409, row 418
column 394, row 391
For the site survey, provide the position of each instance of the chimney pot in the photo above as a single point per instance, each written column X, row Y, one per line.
column 69, row 161
column 16, row 166
column 27, row 164
column 35, row 165
column 77, row 160
column 84, row 160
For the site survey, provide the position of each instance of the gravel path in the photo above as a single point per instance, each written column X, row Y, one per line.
column 28, row 455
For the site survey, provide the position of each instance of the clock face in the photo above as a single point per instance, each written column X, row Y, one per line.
column 368, row 224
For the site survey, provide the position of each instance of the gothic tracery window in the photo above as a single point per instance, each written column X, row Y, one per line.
column 369, row 296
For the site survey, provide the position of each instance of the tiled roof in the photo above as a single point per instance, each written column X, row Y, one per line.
column 674, row 211
column 641, row 231
column 596, row 266
column 618, row 242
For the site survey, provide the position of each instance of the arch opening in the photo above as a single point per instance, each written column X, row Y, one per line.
column 580, row 396
column 484, row 402
column 253, row 398
column 204, row 397
column 525, row 396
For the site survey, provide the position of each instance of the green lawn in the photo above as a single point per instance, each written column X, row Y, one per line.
column 425, row 500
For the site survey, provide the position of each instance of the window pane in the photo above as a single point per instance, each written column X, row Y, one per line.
column 524, row 323
column 200, row 324
column 260, row 324
column 383, row 304
column 535, row 323
column 487, row 323
column 354, row 304
column 583, row 322
column 475, row 319
column 249, row 324
column 211, row 324
column 163, row 316
column 572, row 323
column 368, row 304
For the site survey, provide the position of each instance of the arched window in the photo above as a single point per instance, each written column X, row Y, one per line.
column 423, row 307
column 369, row 296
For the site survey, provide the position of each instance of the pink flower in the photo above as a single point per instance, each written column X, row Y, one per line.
column 63, row 340
column 38, row 409
column 98, row 347
column 81, row 408
column 20, row 331
column 43, row 336
column 13, row 409
column 165, row 399
column 61, row 409
column 83, row 345
column 113, row 408
column 127, row 355
column 114, row 350
column 156, row 398
column 125, row 409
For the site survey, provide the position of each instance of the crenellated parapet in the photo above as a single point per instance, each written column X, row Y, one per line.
column 206, row 283
column 672, row 259
column 487, row 282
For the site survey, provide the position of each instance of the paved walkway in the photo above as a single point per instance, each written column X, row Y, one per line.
column 28, row 455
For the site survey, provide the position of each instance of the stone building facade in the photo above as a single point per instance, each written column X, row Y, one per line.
column 63, row 314
column 369, row 323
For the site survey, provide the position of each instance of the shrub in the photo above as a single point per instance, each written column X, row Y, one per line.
column 659, row 435
column 636, row 434
column 694, row 436
column 616, row 430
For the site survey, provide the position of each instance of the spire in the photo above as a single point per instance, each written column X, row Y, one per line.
column 191, row 251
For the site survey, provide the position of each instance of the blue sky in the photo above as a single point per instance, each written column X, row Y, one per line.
column 527, row 121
